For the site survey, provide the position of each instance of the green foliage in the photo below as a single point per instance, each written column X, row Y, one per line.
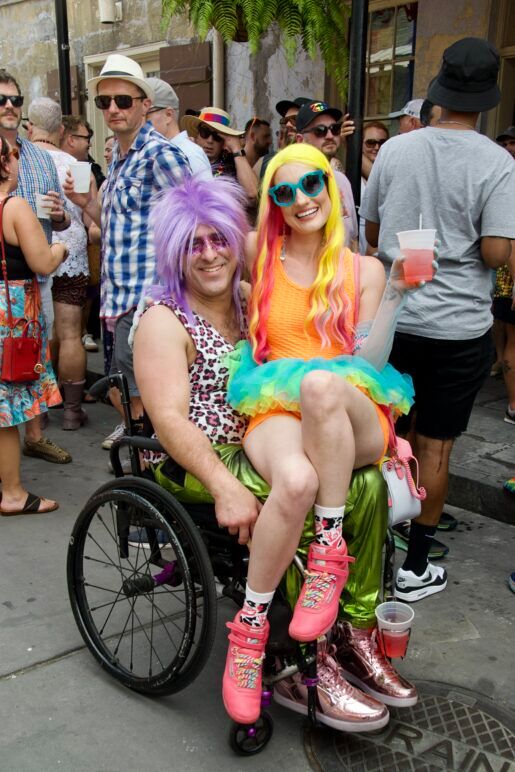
column 318, row 25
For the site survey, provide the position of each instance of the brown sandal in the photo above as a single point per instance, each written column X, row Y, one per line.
column 31, row 507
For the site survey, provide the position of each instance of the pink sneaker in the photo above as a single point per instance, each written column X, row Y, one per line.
column 241, row 688
column 317, row 607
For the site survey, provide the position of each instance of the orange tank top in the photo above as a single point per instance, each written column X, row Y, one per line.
column 287, row 332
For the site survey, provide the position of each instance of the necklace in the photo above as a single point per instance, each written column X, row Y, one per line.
column 47, row 142
column 459, row 123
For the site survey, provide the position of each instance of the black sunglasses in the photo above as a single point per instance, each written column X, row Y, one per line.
column 83, row 136
column 16, row 101
column 291, row 119
column 205, row 132
column 322, row 131
column 373, row 142
column 122, row 101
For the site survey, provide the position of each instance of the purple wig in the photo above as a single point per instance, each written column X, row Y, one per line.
column 218, row 204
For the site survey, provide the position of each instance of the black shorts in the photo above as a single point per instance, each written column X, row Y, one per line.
column 447, row 375
column 501, row 309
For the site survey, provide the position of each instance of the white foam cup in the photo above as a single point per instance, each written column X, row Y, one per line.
column 81, row 173
column 43, row 207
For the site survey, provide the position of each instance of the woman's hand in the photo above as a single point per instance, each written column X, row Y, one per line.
column 396, row 279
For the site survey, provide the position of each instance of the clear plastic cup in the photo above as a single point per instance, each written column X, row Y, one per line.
column 394, row 622
column 81, row 173
column 417, row 248
column 43, row 207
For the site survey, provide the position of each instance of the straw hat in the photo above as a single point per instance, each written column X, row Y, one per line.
column 122, row 68
column 217, row 119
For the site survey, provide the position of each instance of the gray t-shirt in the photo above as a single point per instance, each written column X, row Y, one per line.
column 462, row 184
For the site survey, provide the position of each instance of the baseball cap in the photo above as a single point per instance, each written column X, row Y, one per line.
column 312, row 110
column 284, row 105
column 164, row 95
column 508, row 133
column 467, row 81
column 410, row 108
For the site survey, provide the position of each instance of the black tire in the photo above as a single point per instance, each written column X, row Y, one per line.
column 154, row 638
column 243, row 744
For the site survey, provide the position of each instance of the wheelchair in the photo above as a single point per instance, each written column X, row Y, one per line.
column 144, row 576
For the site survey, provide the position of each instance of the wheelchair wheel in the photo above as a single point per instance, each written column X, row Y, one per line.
column 248, row 740
column 141, row 586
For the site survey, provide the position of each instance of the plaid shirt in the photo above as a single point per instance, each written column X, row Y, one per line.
column 128, row 265
column 37, row 173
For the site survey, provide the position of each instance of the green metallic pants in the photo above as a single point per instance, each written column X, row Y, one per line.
column 364, row 529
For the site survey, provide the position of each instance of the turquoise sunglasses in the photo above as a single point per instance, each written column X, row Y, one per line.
column 311, row 184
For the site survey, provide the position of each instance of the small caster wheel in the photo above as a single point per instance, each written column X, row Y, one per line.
column 249, row 739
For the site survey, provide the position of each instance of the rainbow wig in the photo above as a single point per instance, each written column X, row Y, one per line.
column 330, row 309
column 176, row 215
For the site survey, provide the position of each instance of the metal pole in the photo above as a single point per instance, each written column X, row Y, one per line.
column 63, row 56
column 357, row 75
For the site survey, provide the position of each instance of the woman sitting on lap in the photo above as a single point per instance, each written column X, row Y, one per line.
column 318, row 405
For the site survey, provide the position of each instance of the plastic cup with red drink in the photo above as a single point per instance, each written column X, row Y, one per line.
column 417, row 248
column 394, row 622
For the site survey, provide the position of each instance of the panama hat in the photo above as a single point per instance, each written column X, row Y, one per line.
column 122, row 68
column 217, row 119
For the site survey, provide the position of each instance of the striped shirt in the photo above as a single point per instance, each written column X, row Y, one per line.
column 37, row 173
column 128, row 265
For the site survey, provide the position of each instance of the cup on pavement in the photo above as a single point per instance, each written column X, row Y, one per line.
column 394, row 622
column 81, row 173
column 417, row 248
column 43, row 207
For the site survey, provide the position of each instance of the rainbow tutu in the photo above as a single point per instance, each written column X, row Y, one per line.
column 253, row 389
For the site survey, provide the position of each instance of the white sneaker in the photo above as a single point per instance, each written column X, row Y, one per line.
column 89, row 343
column 116, row 434
column 410, row 587
column 509, row 416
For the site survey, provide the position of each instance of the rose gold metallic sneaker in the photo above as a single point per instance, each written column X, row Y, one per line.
column 339, row 704
column 317, row 606
column 362, row 662
column 242, row 679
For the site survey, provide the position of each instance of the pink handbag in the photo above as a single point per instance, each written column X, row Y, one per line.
column 404, row 493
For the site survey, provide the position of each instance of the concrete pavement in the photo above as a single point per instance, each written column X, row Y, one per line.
column 59, row 710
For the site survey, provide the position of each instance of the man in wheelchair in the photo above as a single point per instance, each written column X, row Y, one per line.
column 191, row 323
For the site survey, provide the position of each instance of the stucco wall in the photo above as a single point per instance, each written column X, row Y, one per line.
column 440, row 23
column 255, row 83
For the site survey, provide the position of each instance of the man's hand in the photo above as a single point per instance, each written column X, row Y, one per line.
column 348, row 127
column 81, row 199
column 56, row 209
column 232, row 144
column 237, row 510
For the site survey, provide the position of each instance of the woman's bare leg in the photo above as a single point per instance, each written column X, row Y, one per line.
column 275, row 450
column 14, row 494
column 340, row 432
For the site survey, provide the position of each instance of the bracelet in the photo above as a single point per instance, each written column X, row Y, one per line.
column 239, row 153
column 59, row 222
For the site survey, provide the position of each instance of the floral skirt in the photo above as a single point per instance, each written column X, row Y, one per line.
column 19, row 402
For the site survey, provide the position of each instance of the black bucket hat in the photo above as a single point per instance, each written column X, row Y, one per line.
column 467, row 81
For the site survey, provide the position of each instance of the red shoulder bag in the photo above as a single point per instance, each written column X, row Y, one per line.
column 21, row 358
